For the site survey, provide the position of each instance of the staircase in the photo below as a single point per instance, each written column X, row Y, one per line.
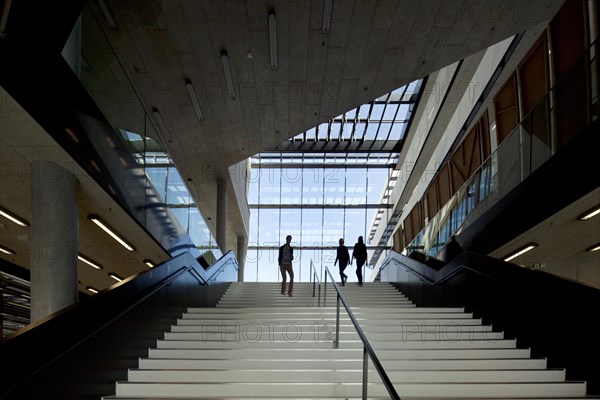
column 259, row 344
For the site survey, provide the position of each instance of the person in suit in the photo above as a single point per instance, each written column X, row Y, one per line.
column 286, row 255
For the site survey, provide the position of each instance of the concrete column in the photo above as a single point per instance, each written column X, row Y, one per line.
column 241, row 256
column 222, row 214
column 53, row 250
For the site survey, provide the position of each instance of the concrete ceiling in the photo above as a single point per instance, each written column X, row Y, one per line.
column 372, row 48
column 563, row 240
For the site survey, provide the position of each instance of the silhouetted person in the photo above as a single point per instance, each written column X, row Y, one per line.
column 360, row 254
column 343, row 257
column 452, row 249
column 286, row 255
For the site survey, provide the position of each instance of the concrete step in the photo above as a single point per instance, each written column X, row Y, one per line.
column 325, row 310
column 389, row 365
column 314, row 341
column 341, row 353
column 335, row 389
column 259, row 344
column 286, row 304
column 327, row 315
column 349, row 398
column 447, row 323
column 343, row 376
column 236, row 332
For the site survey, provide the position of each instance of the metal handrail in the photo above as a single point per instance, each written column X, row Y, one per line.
column 367, row 349
column 314, row 278
column 431, row 282
column 227, row 260
column 422, row 277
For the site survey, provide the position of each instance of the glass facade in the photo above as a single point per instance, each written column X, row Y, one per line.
column 317, row 205
column 332, row 181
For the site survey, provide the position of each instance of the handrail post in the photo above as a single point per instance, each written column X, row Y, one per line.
column 368, row 351
column 319, row 299
column 325, row 292
column 337, row 323
column 365, row 373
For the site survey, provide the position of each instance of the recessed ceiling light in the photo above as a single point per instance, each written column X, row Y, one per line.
column 520, row 251
column 98, row 221
column 595, row 247
column 589, row 213
column 6, row 250
column 89, row 261
column 91, row 289
column 14, row 218
column 149, row 263
column 115, row 277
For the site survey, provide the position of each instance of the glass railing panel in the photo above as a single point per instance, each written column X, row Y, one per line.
column 147, row 183
column 569, row 107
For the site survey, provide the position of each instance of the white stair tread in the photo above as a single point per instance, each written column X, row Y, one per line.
column 341, row 353
column 258, row 344
column 309, row 342
column 408, row 364
column 470, row 390
column 362, row 321
column 328, row 309
column 320, row 333
column 343, row 376
column 405, row 332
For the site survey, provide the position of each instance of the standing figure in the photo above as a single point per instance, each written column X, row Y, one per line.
column 286, row 255
column 343, row 257
column 360, row 254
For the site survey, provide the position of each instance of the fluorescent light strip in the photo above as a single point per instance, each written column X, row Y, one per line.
column 89, row 262
column 149, row 263
column 115, row 277
column 589, row 214
column 91, row 289
column 72, row 135
column 228, row 76
column 194, row 99
column 107, row 14
column 595, row 247
column 5, row 12
column 522, row 250
column 17, row 220
column 161, row 125
column 327, row 7
column 6, row 250
column 273, row 38
column 193, row 187
column 95, row 219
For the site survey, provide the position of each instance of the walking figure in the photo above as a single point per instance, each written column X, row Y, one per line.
column 286, row 255
column 343, row 257
column 360, row 254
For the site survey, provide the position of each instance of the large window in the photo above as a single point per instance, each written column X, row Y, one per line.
column 173, row 192
column 318, row 202
column 329, row 182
